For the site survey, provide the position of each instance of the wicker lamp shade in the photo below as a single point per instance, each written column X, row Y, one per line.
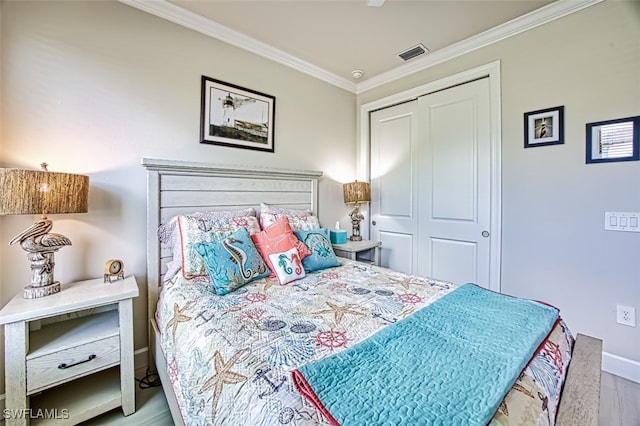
column 42, row 192
column 356, row 192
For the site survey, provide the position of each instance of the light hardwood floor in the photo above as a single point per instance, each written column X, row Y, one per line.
column 619, row 401
column 619, row 406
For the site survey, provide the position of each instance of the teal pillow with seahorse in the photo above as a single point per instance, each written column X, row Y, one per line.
column 232, row 262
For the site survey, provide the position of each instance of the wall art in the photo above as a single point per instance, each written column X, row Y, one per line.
column 544, row 127
column 236, row 117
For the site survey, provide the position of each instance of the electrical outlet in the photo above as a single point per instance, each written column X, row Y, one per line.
column 626, row 315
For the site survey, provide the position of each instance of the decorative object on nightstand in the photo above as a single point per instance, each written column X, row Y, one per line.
column 42, row 192
column 337, row 235
column 113, row 269
column 356, row 193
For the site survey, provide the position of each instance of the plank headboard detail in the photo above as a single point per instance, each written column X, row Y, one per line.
column 175, row 187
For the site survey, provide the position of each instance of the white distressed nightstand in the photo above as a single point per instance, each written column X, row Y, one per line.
column 62, row 353
column 354, row 249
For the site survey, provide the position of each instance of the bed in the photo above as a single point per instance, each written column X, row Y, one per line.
column 228, row 359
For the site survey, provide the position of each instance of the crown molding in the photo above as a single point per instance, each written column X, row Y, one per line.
column 187, row 19
column 516, row 26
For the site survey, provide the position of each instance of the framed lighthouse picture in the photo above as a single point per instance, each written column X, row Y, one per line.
column 236, row 117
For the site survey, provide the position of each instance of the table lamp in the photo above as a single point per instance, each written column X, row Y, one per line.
column 42, row 192
column 356, row 193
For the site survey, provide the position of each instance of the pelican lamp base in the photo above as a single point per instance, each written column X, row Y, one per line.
column 42, row 283
column 356, row 217
column 31, row 292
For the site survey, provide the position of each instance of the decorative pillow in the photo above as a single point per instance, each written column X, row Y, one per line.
column 278, row 238
column 193, row 229
column 167, row 231
column 232, row 262
column 267, row 208
column 169, row 235
column 287, row 266
column 322, row 254
column 300, row 220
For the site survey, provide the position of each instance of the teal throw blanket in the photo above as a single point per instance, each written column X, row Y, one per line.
column 450, row 363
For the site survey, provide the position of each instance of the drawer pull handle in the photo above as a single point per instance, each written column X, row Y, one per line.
column 89, row 358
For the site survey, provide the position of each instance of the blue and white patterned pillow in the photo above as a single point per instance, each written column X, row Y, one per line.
column 322, row 254
column 232, row 262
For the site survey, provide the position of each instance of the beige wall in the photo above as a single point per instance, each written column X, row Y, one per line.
column 92, row 87
column 554, row 246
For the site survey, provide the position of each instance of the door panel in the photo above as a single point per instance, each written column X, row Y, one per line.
column 454, row 181
column 394, row 150
column 396, row 250
column 453, row 162
column 454, row 260
column 393, row 188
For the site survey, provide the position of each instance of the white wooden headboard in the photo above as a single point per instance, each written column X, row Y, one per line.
column 175, row 187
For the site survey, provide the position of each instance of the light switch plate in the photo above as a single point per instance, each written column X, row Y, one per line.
column 622, row 221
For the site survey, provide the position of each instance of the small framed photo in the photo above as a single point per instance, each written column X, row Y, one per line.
column 236, row 117
column 613, row 140
column 544, row 127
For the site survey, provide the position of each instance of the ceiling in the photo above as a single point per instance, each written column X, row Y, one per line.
column 331, row 38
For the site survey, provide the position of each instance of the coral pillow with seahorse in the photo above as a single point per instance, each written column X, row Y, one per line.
column 278, row 238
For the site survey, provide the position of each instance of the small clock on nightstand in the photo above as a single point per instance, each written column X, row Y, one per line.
column 113, row 268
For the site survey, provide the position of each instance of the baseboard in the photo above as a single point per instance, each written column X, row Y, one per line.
column 140, row 362
column 622, row 367
column 141, row 358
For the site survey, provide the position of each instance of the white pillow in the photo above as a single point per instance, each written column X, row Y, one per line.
column 287, row 266
column 299, row 220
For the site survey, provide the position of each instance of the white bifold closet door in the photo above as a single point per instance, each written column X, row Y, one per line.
column 431, row 181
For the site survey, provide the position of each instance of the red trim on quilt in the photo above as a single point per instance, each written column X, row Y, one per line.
column 542, row 302
column 544, row 341
column 306, row 391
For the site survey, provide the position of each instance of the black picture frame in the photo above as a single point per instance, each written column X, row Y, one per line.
column 235, row 116
column 613, row 140
column 544, row 127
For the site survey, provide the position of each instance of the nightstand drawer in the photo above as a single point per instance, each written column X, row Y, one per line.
column 58, row 367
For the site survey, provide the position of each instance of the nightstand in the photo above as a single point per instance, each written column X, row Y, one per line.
column 69, row 356
column 354, row 249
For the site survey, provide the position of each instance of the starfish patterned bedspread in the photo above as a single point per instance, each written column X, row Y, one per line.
column 230, row 357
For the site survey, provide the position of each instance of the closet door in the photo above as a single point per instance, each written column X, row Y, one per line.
column 394, row 205
column 454, row 180
column 430, row 183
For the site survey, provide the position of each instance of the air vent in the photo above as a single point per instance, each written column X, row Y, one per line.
column 412, row 52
